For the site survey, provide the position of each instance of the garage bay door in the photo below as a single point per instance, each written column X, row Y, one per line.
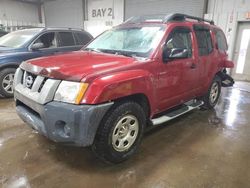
column 142, row 7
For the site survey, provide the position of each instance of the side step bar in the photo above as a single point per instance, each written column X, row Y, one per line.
column 188, row 106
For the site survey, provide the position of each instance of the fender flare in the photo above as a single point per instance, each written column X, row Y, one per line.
column 9, row 65
column 119, row 85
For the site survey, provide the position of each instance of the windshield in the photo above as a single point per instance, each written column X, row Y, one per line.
column 137, row 41
column 18, row 38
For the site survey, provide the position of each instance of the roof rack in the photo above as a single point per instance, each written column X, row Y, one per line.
column 183, row 17
column 166, row 18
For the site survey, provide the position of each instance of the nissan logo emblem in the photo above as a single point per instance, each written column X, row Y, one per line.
column 29, row 81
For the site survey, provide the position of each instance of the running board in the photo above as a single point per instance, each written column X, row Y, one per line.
column 188, row 106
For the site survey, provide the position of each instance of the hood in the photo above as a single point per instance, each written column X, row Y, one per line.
column 75, row 66
column 6, row 51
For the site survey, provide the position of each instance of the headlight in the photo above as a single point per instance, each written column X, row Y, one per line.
column 70, row 92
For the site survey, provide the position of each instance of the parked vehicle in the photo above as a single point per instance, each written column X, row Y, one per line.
column 2, row 33
column 142, row 73
column 22, row 45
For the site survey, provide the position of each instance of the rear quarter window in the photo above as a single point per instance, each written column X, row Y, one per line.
column 221, row 40
column 82, row 38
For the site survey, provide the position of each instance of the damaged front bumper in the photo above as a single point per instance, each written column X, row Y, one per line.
column 61, row 122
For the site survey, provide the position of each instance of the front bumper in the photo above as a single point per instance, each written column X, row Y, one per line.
column 61, row 122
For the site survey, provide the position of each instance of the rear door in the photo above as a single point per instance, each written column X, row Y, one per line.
column 205, row 56
column 66, row 42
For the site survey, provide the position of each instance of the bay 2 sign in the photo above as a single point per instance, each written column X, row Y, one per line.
column 102, row 12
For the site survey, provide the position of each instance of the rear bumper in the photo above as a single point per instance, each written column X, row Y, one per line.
column 61, row 122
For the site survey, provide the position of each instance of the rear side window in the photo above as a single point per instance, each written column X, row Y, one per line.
column 204, row 40
column 66, row 39
column 221, row 40
column 82, row 38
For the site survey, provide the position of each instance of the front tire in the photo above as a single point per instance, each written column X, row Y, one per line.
column 212, row 96
column 120, row 132
column 6, row 82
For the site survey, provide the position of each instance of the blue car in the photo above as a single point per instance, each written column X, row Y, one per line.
column 22, row 45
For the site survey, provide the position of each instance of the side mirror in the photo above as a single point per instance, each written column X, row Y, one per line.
column 37, row 46
column 174, row 53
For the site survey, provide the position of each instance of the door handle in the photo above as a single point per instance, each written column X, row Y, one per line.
column 193, row 66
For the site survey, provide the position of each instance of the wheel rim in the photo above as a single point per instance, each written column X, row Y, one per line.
column 7, row 83
column 214, row 93
column 125, row 133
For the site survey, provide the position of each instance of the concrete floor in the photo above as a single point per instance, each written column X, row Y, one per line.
column 200, row 149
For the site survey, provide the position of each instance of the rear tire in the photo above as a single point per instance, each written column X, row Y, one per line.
column 6, row 82
column 212, row 96
column 120, row 132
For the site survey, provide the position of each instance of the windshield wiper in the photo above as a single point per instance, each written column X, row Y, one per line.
column 117, row 52
column 127, row 54
column 93, row 50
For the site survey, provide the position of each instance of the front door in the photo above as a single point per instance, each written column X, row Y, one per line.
column 241, row 69
column 177, row 76
column 49, row 43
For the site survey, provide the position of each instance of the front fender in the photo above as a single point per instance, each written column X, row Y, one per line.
column 119, row 85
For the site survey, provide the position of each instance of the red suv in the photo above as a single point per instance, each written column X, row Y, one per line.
column 142, row 73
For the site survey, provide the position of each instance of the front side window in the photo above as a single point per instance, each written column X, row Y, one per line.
column 221, row 40
column 66, row 39
column 180, row 38
column 135, row 41
column 48, row 40
column 204, row 40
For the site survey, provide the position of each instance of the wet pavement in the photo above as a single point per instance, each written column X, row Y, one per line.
column 199, row 149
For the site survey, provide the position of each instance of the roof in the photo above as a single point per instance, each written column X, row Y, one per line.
column 63, row 28
column 53, row 28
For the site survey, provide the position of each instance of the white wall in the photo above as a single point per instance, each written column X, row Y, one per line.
column 103, row 14
column 17, row 11
column 227, row 14
column 64, row 13
column 142, row 7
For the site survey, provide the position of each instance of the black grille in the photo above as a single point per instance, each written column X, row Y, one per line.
column 41, row 86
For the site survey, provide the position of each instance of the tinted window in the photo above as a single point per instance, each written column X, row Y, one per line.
column 180, row 38
column 82, row 38
column 221, row 40
column 66, row 39
column 204, row 40
column 48, row 40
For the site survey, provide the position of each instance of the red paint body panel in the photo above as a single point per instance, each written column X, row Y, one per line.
column 113, row 76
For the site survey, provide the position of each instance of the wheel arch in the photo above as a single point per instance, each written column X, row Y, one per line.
column 9, row 65
column 139, row 98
